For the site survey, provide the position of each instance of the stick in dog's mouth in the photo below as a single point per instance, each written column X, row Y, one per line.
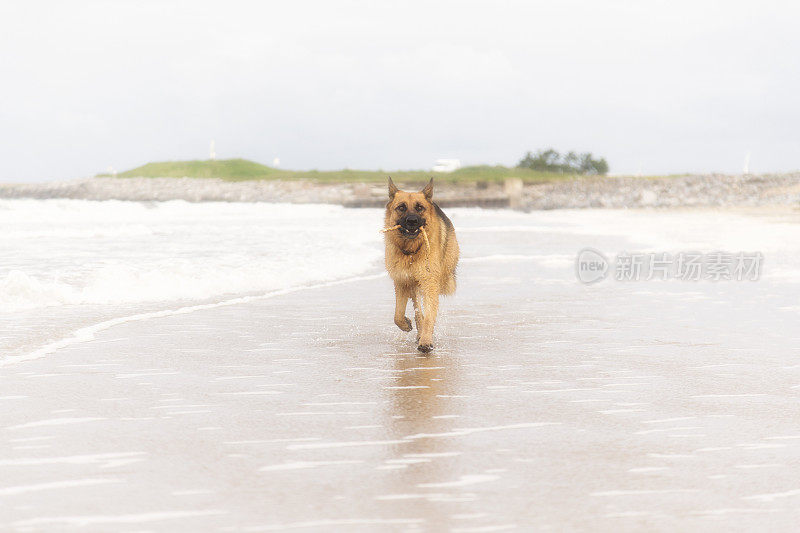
column 425, row 234
column 400, row 227
column 421, row 229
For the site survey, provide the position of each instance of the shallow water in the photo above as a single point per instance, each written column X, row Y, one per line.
column 67, row 264
column 71, row 263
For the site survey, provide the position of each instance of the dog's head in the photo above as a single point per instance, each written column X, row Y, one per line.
column 410, row 210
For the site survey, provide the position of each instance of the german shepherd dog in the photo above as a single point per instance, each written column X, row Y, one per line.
column 419, row 271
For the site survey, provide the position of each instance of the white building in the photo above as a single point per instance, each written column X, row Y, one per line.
column 446, row 165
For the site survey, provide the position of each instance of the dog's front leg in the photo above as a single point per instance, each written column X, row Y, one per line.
column 417, row 313
column 401, row 301
column 430, row 295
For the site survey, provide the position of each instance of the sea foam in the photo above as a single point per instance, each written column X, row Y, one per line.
column 73, row 252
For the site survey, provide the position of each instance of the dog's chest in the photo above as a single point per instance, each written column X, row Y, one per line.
column 410, row 269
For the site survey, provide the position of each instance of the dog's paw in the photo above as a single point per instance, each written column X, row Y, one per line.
column 425, row 348
column 405, row 324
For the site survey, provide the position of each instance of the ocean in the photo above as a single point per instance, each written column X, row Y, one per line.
column 68, row 263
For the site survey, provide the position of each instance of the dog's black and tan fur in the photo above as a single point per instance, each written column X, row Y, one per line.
column 419, row 272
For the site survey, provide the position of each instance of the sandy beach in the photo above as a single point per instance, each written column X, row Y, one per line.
column 548, row 404
column 199, row 202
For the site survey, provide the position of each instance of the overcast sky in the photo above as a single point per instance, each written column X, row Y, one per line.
column 659, row 87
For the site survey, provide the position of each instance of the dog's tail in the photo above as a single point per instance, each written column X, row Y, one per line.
column 449, row 285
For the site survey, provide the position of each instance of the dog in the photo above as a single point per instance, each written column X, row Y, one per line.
column 421, row 271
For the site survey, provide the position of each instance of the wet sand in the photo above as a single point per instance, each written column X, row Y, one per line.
column 547, row 404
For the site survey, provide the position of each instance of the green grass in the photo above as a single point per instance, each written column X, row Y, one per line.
column 234, row 169
column 242, row 169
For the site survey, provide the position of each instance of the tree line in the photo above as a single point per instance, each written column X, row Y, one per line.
column 570, row 163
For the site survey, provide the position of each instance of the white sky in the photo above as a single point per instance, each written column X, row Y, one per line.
column 661, row 86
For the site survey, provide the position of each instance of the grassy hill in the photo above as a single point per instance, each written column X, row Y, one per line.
column 242, row 169
column 234, row 169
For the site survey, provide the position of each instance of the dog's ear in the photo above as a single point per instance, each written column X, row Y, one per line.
column 392, row 188
column 428, row 190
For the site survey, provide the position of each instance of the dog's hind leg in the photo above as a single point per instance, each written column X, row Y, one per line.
column 401, row 296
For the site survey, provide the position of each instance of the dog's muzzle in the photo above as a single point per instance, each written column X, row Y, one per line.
column 410, row 225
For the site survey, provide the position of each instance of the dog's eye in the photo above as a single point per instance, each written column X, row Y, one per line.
column 401, row 208
column 419, row 208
